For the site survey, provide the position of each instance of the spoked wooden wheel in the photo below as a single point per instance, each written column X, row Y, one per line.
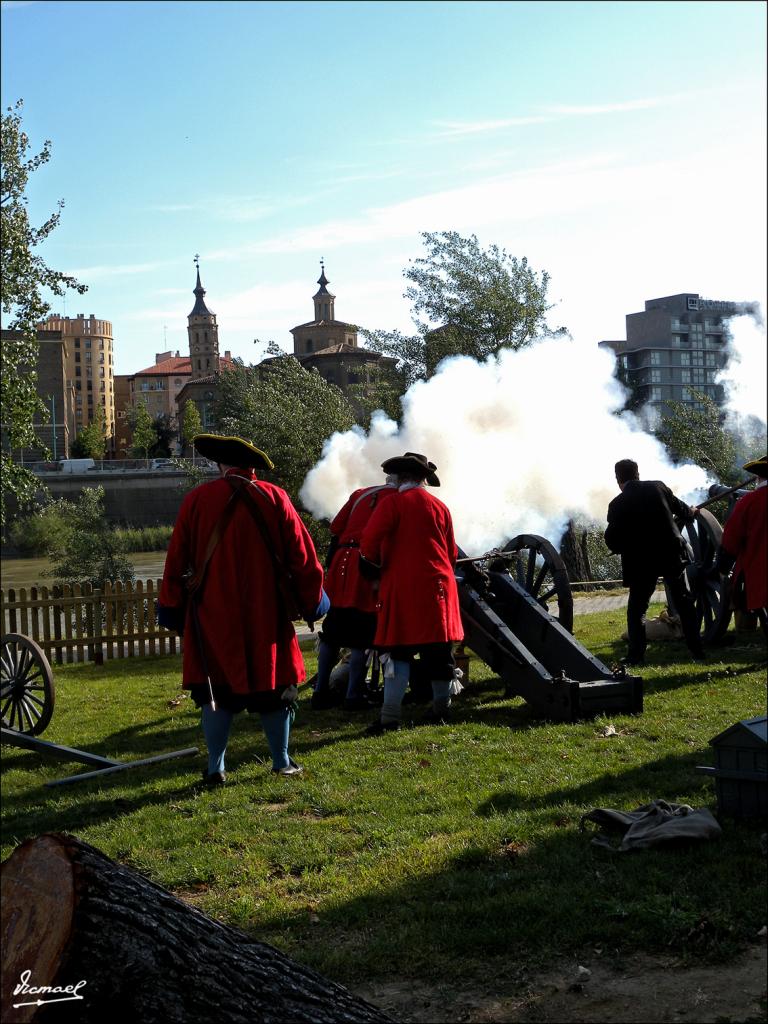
column 708, row 586
column 541, row 572
column 26, row 685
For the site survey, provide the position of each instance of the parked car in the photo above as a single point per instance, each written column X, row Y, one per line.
column 163, row 464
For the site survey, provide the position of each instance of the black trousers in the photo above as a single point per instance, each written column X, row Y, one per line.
column 640, row 592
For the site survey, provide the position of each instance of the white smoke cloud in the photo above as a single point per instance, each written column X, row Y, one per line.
column 744, row 378
column 522, row 443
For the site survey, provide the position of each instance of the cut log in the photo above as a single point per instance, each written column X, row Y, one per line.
column 106, row 943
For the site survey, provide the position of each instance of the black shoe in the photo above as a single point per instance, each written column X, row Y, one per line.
column 324, row 700
column 214, row 778
column 433, row 717
column 378, row 727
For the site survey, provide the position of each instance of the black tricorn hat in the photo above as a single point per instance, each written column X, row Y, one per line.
column 413, row 464
column 232, row 451
column 758, row 467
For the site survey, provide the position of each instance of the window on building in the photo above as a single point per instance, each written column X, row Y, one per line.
column 655, row 358
column 675, row 324
column 697, row 358
column 87, row 342
column 77, row 343
column 101, row 343
column 102, row 386
column 101, row 371
column 680, row 339
column 89, row 385
column 656, row 394
column 87, row 357
column 713, row 340
column 685, row 358
column 685, row 376
column 310, row 345
column 693, row 303
column 77, row 357
column 656, row 376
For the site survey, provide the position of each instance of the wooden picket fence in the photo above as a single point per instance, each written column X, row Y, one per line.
column 82, row 624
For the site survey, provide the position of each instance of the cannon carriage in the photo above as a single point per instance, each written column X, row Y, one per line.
column 505, row 598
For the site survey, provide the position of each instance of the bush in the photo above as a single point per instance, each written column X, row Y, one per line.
column 145, row 538
column 46, row 533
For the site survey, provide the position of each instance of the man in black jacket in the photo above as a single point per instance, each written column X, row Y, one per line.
column 642, row 529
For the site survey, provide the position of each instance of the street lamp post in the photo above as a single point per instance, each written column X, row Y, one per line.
column 53, row 417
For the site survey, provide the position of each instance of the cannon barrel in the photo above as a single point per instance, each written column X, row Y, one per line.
column 717, row 491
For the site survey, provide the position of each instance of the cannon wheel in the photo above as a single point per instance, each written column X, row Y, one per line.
column 541, row 572
column 708, row 586
column 26, row 685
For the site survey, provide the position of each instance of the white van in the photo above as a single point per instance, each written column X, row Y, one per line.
column 76, row 465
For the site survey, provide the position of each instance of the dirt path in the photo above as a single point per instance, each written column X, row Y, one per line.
column 642, row 990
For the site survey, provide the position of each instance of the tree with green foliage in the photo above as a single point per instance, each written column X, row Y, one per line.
column 91, row 441
column 289, row 413
column 166, row 436
column 24, row 275
column 144, row 433
column 93, row 552
column 466, row 301
column 191, row 424
column 694, row 432
column 284, row 409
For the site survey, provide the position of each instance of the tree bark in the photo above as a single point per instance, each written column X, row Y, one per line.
column 71, row 915
column 572, row 554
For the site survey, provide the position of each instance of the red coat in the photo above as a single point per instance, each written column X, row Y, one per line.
column 411, row 537
column 249, row 646
column 343, row 583
column 744, row 537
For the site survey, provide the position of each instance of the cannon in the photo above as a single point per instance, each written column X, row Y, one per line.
column 27, row 698
column 711, row 589
column 504, row 597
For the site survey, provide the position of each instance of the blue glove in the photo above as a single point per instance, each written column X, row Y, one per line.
column 322, row 608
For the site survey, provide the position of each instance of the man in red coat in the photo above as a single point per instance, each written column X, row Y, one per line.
column 409, row 539
column 241, row 647
column 744, row 539
column 351, row 620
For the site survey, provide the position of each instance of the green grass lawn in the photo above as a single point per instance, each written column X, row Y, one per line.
column 433, row 850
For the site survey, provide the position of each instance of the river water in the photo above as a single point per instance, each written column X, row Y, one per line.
column 32, row 572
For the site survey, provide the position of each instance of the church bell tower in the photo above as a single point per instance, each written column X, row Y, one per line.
column 203, row 333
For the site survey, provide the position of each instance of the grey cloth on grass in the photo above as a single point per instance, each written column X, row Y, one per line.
column 651, row 825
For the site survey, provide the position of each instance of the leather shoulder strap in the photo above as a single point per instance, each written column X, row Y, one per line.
column 195, row 582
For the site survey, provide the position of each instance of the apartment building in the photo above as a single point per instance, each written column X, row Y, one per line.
column 90, row 367
column 56, row 428
column 674, row 349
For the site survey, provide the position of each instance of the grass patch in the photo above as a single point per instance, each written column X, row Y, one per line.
column 430, row 852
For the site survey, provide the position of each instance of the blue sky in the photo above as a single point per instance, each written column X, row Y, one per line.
column 619, row 146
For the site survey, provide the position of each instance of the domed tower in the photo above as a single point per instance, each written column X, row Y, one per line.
column 325, row 331
column 203, row 334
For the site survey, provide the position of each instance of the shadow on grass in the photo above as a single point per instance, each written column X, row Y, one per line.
column 653, row 780
column 531, row 897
